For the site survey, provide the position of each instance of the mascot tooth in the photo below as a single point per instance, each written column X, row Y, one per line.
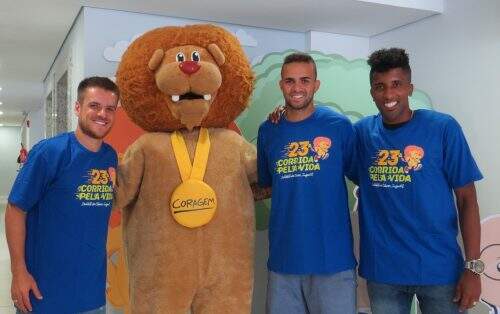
column 184, row 187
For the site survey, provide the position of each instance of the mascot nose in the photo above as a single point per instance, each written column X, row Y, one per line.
column 189, row 67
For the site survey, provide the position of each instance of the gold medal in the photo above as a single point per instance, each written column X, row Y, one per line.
column 193, row 202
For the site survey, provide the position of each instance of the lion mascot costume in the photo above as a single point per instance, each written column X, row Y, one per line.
column 184, row 187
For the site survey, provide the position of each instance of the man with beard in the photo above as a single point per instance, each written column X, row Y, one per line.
column 303, row 157
column 58, row 210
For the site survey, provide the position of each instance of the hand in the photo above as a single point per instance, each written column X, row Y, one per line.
column 276, row 115
column 22, row 284
column 260, row 193
column 468, row 290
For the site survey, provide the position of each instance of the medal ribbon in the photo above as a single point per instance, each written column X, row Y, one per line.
column 195, row 171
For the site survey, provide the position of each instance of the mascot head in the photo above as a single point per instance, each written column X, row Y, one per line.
column 183, row 77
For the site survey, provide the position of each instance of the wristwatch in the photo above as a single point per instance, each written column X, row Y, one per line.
column 476, row 266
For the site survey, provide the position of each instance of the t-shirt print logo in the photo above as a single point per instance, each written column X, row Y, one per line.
column 413, row 156
column 112, row 175
column 98, row 187
column 302, row 158
column 297, row 149
column 321, row 146
column 393, row 166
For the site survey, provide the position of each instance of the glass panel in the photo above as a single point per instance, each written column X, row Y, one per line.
column 61, row 111
column 48, row 116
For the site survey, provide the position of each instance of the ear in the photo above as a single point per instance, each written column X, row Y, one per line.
column 371, row 92
column 316, row 85
column 156, row 59
column 77, row 107
column 411, row 90
column 217, row 54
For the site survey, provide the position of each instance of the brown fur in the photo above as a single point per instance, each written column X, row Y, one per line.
column 141, row 96
column 173, row 269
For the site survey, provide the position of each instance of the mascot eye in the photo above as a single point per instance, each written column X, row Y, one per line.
column 180, row 57
column 195, row 56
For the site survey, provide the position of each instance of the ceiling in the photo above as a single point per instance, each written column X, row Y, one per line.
column 31, row 31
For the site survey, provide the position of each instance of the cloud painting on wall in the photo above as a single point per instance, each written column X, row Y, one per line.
column 245, row 38
column 115, row 52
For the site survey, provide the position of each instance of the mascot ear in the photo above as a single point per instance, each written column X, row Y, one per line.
column 217, row 54
column 156, row 59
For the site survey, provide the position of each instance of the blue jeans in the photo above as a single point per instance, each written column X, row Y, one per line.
column 101, row 310
column 304, row 294
column 396, row 299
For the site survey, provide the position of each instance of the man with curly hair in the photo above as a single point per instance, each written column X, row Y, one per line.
column 408, row 218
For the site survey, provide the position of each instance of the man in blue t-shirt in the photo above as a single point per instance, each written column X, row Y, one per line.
column 303, row 157
column 409, row 164
column 58, row 210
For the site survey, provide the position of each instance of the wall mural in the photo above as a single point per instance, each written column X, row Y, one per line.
column 344, row 87
column 490, row 254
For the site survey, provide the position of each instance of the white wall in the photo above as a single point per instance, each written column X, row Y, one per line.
column 9, row 146
column 350, row 47
column 37, row 127
column 434, row 5
column 454, row 58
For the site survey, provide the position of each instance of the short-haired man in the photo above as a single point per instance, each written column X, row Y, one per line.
column 408, row 165
column 58, row 210
column 303, row 157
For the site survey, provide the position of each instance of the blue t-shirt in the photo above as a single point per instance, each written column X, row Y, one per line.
column 67, row 192
column 408, row 219
column 310, row 227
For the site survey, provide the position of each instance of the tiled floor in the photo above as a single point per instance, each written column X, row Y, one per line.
column 5, row 276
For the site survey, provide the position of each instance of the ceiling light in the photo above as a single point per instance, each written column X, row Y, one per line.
column 1, row 124
column 1, row 103
column 1, row 113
